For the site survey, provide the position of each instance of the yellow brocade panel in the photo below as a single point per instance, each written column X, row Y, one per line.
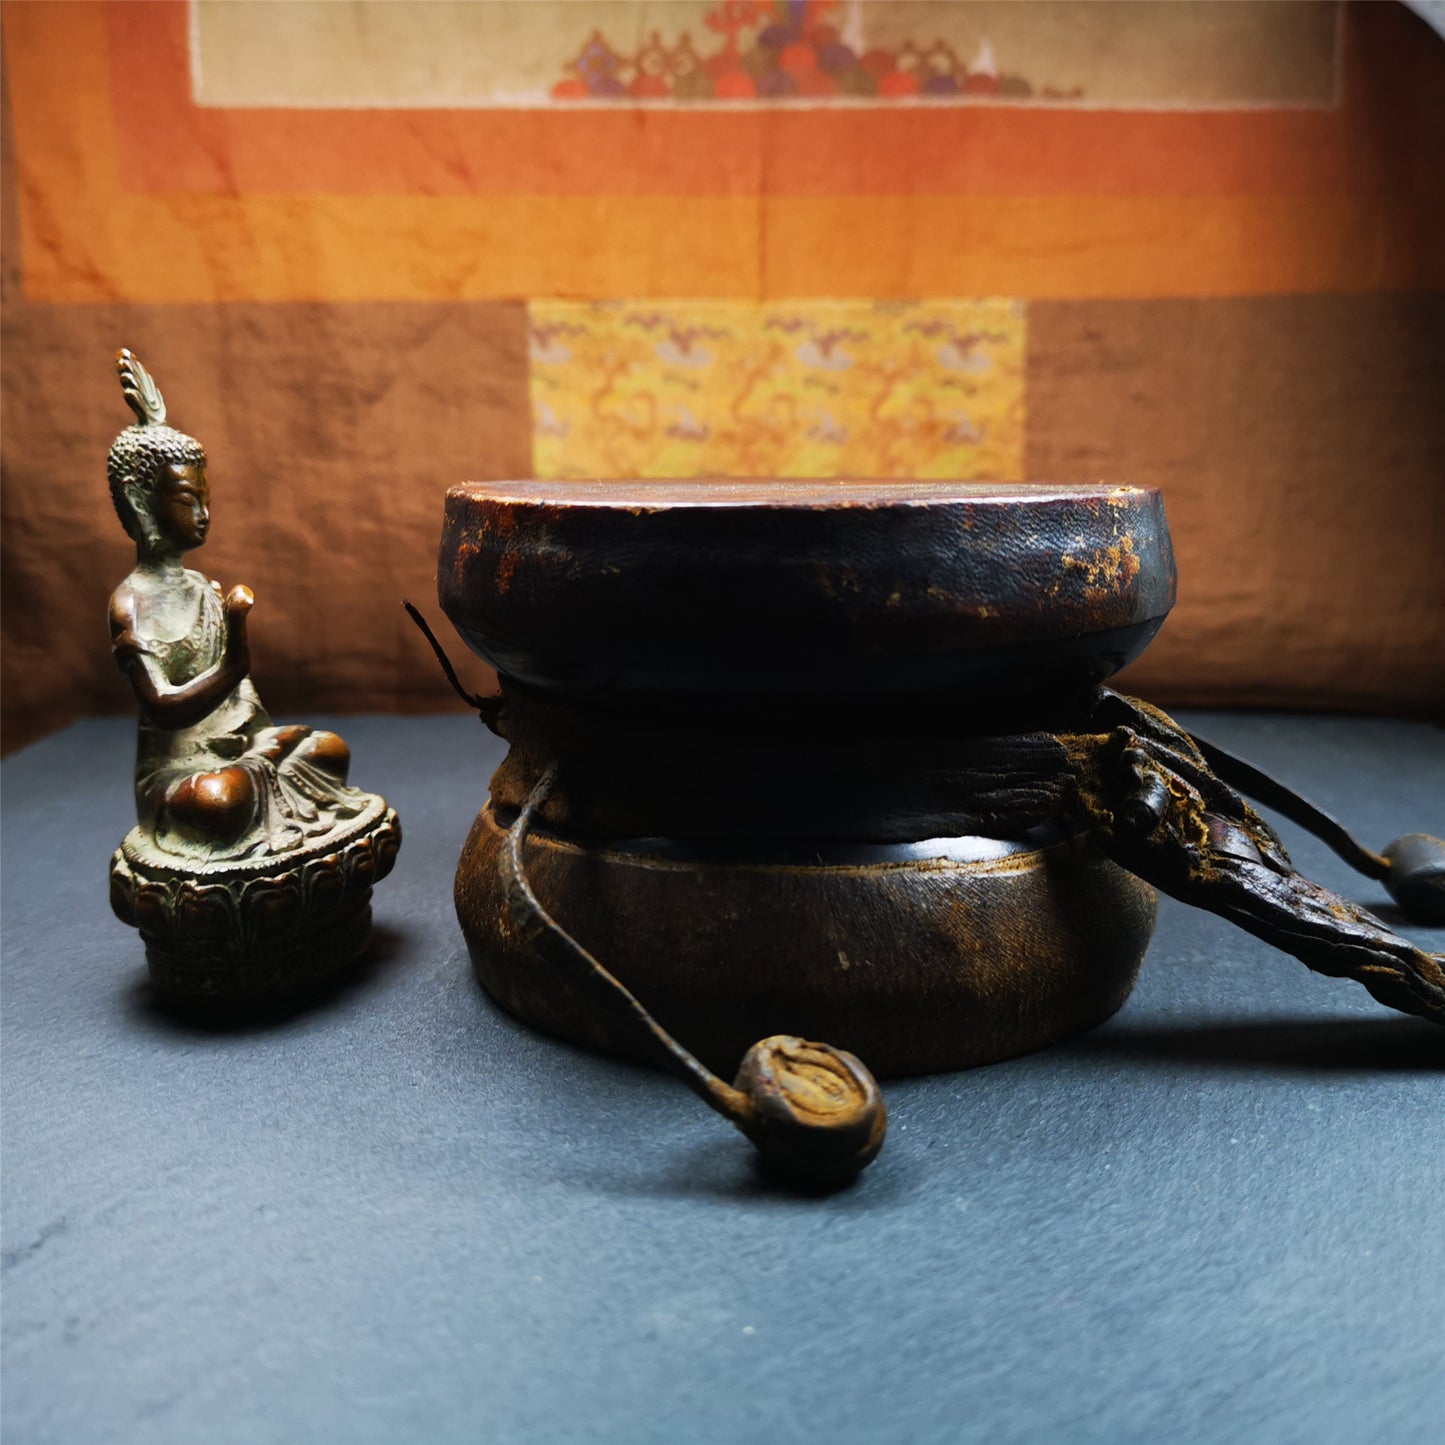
column 784, row 389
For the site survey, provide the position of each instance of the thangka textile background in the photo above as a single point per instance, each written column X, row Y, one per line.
column 372, row 249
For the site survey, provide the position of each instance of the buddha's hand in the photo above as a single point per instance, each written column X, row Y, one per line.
column 239, row 601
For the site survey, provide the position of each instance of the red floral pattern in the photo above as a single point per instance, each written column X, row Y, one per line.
column 784, row 50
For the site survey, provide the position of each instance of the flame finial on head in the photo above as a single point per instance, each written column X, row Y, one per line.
column 142, row 394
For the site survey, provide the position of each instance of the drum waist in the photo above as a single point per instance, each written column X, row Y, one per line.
column 749, row 774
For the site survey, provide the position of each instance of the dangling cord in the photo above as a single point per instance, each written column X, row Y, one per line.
column 814, row 1112
column 1412, row 867
column 487, row 707
column 1254, row 783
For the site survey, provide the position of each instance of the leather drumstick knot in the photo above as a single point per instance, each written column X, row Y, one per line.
column 818, row 1115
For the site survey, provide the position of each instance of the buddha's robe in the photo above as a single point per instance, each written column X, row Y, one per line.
column 293, row 799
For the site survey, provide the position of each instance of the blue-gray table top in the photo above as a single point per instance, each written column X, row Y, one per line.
column 402, row 1216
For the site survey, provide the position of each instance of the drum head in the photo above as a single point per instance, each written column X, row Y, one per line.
column 821, row 588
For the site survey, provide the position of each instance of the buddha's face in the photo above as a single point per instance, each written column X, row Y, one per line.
column 183, row 505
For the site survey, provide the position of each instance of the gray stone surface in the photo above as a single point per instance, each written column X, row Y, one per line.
column 403, row 1217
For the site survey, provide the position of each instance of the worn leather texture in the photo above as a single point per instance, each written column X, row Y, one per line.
column 845, row 587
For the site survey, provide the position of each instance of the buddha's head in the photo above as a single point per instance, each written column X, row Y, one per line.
column 157, row 474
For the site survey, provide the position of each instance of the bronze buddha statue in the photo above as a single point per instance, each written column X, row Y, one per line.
column 245, row 871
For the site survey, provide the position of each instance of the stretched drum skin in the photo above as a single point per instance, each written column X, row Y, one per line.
column 804, row 588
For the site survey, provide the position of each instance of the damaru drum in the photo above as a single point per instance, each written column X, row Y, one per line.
column 791, row 724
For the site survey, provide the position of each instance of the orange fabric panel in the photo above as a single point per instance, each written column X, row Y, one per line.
column 354, row 248
column 281, row 271
column 86, row 238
